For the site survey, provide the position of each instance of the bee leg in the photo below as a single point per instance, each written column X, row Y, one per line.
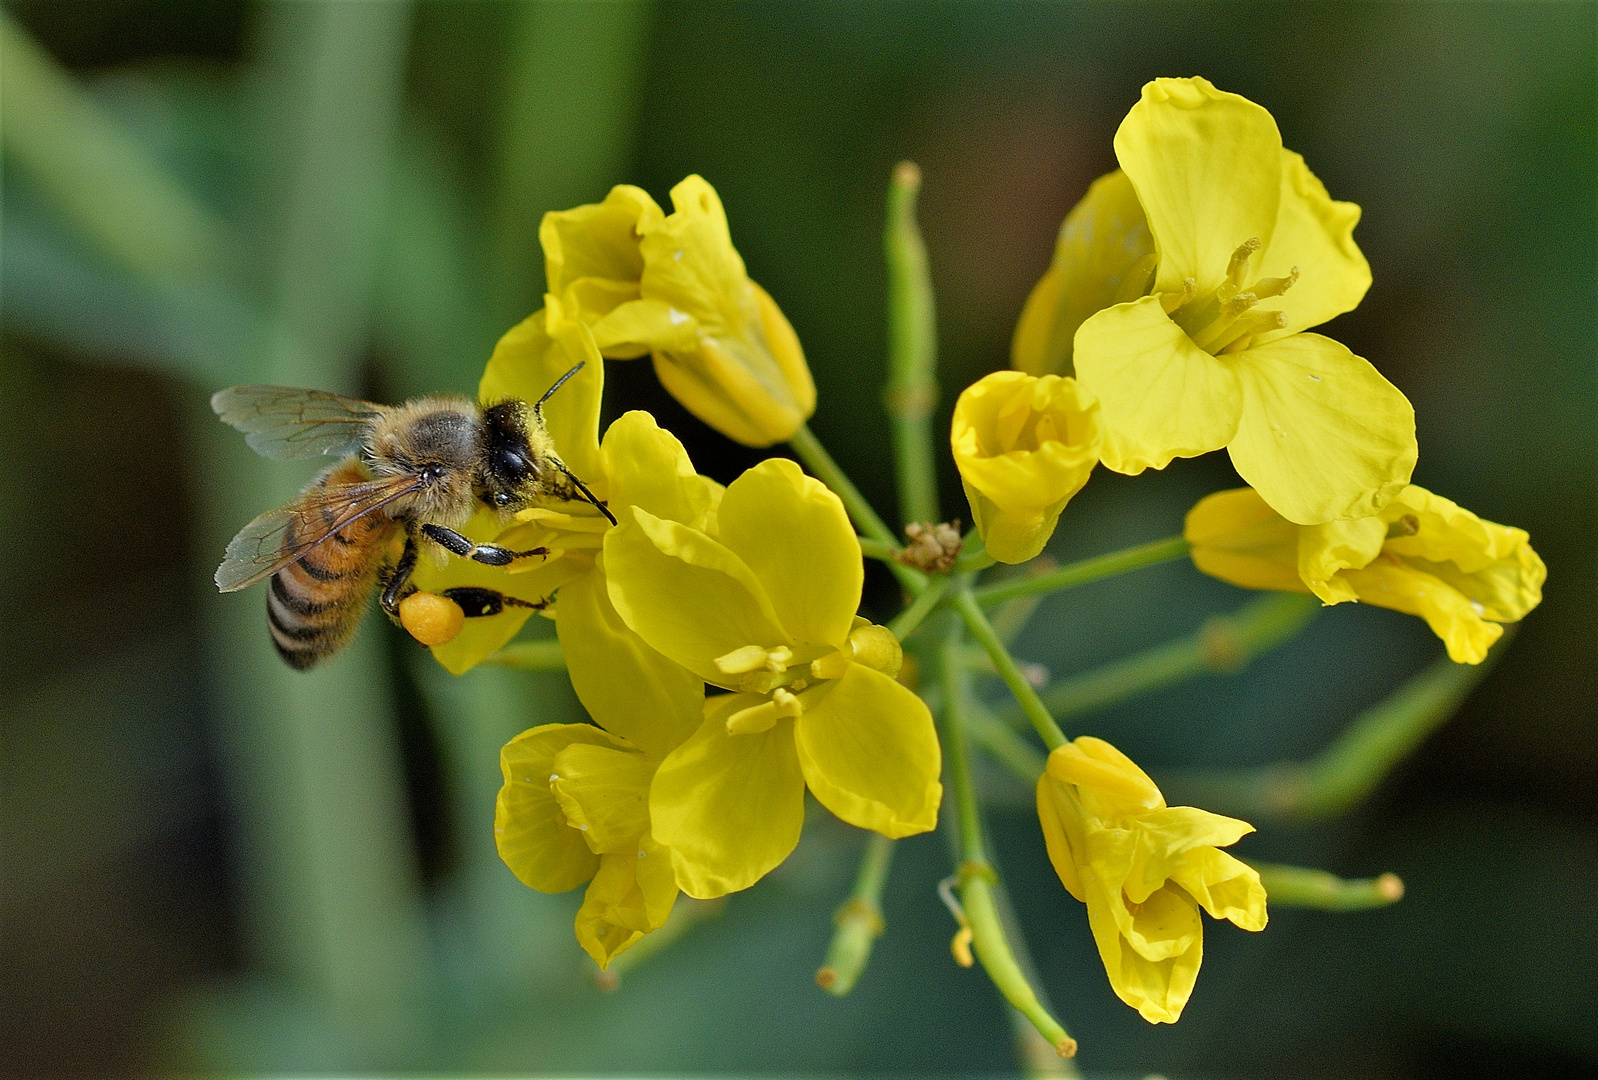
column 487, row 554
column 397, row 585
column 476, row 603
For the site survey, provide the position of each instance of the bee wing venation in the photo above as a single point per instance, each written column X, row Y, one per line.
column 263, row 547
column 286, row 422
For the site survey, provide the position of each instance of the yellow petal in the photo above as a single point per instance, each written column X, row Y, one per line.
column 1158, row 989
column 685, row 594
column 597, row 240
column 1237, row 538
column 1100, row 240
column 1109, row 783
column 603, row 793
column 1207, row 169
column 1390, row 583
column 648, row 467
column 1054, row 803
column 1323, row 550
column 634, row 328
column 689, row 259
column 870, row 754
column 730, row 807
column 1160, row 396
column 627, row 687
column 1166, row 840
column 1225, row 887
column 632, row 894
column 735, row 385
column 526, row 362
column 529, row 829
column 1314, row 233
column 795, row 535
column 1323, row 436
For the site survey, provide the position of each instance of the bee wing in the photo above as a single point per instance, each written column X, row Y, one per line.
column 278, row 537
column 284, row 422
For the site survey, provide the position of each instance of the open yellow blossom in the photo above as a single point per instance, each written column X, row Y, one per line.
column 1024, row 446
column 1250, row 252
column 673, row 286
column 574, row 807
column 761, row 601
column 1143, row 869
column 1422, row 555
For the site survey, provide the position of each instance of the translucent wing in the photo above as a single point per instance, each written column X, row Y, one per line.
column 284, row 422
column 278, row 537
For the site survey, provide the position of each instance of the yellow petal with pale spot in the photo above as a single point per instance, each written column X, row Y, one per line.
column 1322, row 435
column 1100, row 242
column 603, row 793
column 1160, row 396
column 1206, row 166
column 529, row 829
column 795, row 535
column 634, row 328
column 729, row 806
column 870, row 753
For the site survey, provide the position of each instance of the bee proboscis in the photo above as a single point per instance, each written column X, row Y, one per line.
column 417, row 470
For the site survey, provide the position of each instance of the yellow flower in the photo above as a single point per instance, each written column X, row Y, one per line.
column 761, row 600
column 1144, row 869
column 1251, row 252
column 1024, row 446
column 574, row 807
column 674, row 287
column 1422, row 555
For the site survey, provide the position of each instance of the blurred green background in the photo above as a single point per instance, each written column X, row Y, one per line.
column 213, row 864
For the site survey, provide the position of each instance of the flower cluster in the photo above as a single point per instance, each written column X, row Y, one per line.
column 714, row 634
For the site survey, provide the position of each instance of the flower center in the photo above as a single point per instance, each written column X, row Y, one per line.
column 782, row 673
column 1226, row 320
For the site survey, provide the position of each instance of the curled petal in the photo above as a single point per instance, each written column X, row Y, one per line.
column 1207, row 169
column 632, row 894
column 730, row 807
column 1391, row 583
column 529, row 829
column 597, row 240
column 795, row 535
column 1324, row 550
column 1323, row 436
column 1158, row 989
column 1226, row 887
column 1236, row 537
column 603, row 793
column 870, row 754
column 1160, row 396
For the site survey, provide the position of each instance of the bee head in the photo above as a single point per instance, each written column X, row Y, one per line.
column 510, row 467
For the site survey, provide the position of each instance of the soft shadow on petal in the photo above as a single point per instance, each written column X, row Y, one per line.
column 871, row 756
column 796, row 537
column 529, row 830
column 1315, row 233
column 1207, row 168
column 730, row 807
column 1323, row 436
column 1160, row 395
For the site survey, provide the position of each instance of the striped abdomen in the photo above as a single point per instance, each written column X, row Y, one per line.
column 315, row 603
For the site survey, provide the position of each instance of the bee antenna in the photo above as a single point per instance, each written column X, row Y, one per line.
column 582, row 487
column 539, row 404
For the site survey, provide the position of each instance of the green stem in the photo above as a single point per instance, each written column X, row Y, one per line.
column 912, row 350
column 905, row 623
column 1001, row 743
column 1031, row 705
column 858, row 920
column 877, row 549
column 866, row 519
column 1087, row 570
column 1298, row 886
column 529, row 656
column 977, row 879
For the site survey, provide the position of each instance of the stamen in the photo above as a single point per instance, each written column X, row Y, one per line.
column 1238, row 266
column 1230, row 312
column 740, row 661
column 1408, row 525
column 832, row 666
column 1275, row 286
column 1241, row 333
column 753, row 720
column 779, row 658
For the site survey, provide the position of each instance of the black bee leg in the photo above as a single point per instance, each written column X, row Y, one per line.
column 487, row 554
column 397, row 584
column 478, row 603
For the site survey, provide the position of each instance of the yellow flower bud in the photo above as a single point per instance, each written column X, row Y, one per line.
column 1024, row 445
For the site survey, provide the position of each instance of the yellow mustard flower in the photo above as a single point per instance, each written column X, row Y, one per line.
column 1251, row 252
column 673, row 286
column 1024, row 445
column 1103, row 256
column 574, row 807
column 1421, row 554
column 761, row 601
column 1143, row 869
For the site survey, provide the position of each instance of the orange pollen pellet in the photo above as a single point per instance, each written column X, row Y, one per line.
column 430, row 618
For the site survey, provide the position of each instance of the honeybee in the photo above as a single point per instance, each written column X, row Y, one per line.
column 419, row 470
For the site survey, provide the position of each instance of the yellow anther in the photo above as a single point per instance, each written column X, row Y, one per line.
column 1274, row 286
column 961, row 947
column 876, row 647
column 779, row 658
column 1238, row 266
column 1240, row 335
column 753, row 720
column 744, row 660
column 787, row 704
column 832, row 666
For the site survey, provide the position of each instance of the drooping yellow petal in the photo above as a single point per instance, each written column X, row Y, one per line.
column 634, row 328
column 526, row 362
column 1158, row 989
column 1315, row 234
column 685, row 594
column 597, row 240
column 1101, row 241
column 632, row 894
column 1322, row 435
column 795, row 535
column 1391, row 583
column 1110, row 783
column 1226, row 887
column 626, row 686
column 730, row 807
column 1167, row 837
column 1324, row 550
column 1237, row 538
column 870, row 754
column 603, row 793
column 1160, row 396
column 529, row 829
column 1206, row 166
